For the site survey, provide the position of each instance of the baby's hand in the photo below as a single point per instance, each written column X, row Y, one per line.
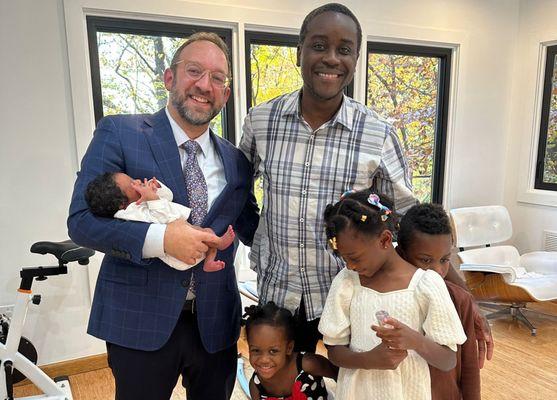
column 146, row 191
column 154, row 183
column 398, row 336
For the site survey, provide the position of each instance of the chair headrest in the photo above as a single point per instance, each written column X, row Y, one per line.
column 478, row 226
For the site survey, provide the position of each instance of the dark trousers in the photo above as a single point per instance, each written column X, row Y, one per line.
column 153, row 374
column 307, row 335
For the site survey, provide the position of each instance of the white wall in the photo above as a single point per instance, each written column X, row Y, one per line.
column 47, row 119
column 532, row 210
column 38, row 160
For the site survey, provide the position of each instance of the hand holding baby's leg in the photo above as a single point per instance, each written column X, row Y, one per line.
column 210, row 264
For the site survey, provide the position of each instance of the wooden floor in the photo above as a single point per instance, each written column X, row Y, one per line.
column 523, row 367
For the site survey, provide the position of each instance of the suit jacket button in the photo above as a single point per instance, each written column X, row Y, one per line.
column 186, row 283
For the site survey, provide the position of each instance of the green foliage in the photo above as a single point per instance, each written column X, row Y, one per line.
column 404, row 90
column 132, row 68
column 273, row 72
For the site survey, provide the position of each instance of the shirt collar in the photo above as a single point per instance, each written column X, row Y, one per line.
column 181, row 137
column 344, row 116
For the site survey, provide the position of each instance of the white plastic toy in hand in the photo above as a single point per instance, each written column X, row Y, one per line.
column 381, row 316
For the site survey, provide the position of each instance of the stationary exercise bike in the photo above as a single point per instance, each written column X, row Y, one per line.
column 17, row 354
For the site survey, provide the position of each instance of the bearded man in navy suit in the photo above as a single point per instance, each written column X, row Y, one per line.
column 159, row 322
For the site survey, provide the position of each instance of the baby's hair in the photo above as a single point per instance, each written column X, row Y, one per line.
column 427, row 218
column 104, row 197
column 273, row 315
column 356, row 212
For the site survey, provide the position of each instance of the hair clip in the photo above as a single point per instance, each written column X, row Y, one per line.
column 363, row 218
column 333, row 243
column 374, row 200
column 347, row 193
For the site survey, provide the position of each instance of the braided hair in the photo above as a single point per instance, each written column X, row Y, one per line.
column 270, row 314
column 356, row 212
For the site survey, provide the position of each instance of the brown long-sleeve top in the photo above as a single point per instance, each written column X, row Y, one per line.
column 462, row 382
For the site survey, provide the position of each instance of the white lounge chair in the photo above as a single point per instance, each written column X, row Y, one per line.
column 499, row 273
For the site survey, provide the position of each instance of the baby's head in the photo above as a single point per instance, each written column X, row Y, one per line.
column 360, row 229
column 425, row 238
column 110, row 192
column 270, row 335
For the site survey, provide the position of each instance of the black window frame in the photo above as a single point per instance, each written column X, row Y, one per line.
column 445, row 62
column 154, row 28
column 551, row 53
column 271, row 39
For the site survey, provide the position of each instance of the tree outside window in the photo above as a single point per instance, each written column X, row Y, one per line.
column 273, row 72
column 407, row 86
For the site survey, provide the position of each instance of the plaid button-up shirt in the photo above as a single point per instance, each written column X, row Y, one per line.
column 304, row 170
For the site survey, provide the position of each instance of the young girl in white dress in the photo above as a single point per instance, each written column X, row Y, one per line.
column 387, row 359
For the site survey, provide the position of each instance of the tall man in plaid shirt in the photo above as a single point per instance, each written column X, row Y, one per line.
column 310, row 146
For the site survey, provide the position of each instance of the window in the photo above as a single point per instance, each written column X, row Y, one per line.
column 128, row 59
column 270, row 66
column 409, row 86
column 546, row 167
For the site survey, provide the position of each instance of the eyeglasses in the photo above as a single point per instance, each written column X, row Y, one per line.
column 196, row 72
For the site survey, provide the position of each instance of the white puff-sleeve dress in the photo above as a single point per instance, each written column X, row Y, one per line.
column 347, row 318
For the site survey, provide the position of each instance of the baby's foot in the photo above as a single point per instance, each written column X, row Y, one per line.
column 213, row 266
column 227, row 238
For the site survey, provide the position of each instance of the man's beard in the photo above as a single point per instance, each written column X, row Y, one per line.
column 190, row 116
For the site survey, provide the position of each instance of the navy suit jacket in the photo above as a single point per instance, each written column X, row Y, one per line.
column 137, row 301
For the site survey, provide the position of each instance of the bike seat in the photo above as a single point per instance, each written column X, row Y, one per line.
column 66, row 251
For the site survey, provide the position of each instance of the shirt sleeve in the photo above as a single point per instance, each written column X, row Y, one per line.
column 248, row 144
column 441, row 324
column 469, row 367
column 164, row 192
column 393, row 175
column 153, row 246
column 335, row 320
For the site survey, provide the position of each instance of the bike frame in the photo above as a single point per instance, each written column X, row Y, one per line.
column 8, row 353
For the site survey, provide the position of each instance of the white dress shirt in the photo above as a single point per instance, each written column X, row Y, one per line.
column 213, row 170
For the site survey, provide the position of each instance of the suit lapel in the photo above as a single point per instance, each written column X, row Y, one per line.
column 163, row 146
column 228, row 159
